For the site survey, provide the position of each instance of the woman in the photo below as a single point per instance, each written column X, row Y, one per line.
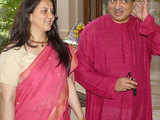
column 34, row 69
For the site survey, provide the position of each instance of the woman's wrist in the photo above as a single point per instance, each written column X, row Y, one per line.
column 81, row 118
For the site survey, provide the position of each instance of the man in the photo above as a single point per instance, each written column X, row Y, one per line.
column 114, row 56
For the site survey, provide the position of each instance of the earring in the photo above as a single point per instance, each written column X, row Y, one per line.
column 54, row 27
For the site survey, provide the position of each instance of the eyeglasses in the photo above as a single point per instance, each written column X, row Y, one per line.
column 121, row 1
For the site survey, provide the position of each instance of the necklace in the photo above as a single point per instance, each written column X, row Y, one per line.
column 41, row 43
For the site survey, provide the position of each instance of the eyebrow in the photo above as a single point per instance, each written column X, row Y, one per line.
column 47, row 7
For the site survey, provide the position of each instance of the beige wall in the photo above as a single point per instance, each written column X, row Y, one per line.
column 79, row 10
column 69, row 13
column 72, row 12
column 63, row 15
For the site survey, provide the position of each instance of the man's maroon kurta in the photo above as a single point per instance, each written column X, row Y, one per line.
column 107, row 51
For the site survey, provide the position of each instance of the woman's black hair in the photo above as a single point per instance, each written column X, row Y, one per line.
column 20, row 32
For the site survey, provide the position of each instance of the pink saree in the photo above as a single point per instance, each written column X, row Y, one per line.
column 43, row 93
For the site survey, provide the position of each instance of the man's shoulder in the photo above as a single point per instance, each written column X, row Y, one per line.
column 98, row 22
column 101, row 19
column 134, row 19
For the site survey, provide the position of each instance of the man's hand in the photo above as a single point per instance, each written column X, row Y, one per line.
column 141, row 9
column 124, row 84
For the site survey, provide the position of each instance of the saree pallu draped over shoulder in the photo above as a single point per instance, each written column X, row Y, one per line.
column 43, row 93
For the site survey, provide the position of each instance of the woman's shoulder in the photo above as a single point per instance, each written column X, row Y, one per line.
column 9, row 66
column 10, row 53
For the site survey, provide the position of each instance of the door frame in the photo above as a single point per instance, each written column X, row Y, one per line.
column 87, row 10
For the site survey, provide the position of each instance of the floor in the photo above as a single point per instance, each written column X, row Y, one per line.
column 155, row 83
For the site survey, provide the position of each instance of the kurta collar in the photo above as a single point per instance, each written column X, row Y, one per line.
column 122, row 24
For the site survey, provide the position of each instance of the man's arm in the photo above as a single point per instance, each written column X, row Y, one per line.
column 148, row 27
column 151, row 31
column 8, row 101
column 93, row 81
column 103, row 85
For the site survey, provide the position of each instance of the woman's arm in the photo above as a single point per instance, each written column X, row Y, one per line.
column 8, row 101
column 73, row 99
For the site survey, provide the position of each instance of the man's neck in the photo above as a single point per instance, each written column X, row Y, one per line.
column 121, row 22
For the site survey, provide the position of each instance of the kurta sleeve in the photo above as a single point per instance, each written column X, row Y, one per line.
column 9, row 70
column 93, row 81
column 151, row 31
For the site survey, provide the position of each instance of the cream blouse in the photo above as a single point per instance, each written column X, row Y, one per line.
column 12, row 63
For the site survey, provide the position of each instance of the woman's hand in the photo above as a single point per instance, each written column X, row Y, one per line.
column 73, row 99
column 8, row 101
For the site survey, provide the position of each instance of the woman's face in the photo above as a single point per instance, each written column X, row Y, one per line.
column 42, row 17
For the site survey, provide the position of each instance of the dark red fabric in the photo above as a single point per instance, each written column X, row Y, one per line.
column 107, row 51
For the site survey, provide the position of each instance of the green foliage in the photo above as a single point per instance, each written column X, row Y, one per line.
column 3, row 42
column 8, row 10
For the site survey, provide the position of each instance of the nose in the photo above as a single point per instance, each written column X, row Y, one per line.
column 118, row 4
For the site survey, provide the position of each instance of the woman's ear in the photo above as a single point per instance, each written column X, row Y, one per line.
column 30, row 17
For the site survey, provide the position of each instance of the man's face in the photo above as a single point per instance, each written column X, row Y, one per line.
column 120, row 10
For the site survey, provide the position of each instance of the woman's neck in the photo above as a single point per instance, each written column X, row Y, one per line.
column 38, row 39
column 38, row 35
